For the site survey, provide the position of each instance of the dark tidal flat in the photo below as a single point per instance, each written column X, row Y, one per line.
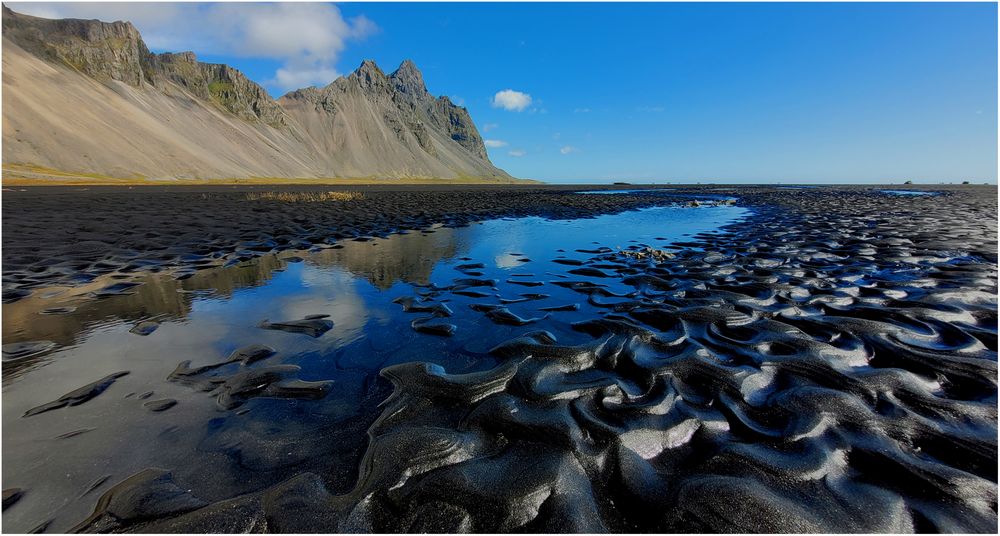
column 500, row 359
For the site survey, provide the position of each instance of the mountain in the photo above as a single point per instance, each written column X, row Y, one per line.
column 88, row 97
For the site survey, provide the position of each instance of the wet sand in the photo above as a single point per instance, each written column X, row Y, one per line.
column 69, row 235
column 57, row 235
column 828, row 364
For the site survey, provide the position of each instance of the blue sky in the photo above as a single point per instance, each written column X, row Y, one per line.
column 648, row 92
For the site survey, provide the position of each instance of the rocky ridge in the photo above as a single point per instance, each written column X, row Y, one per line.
column 366, row 124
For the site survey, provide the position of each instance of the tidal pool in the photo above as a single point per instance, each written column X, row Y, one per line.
column 907, row 192
column 321, row 388
column 606, row 192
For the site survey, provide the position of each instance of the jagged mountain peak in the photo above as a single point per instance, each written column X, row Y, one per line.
column 409, row 79
column 177, row 116
column 407, row 66
column 368, row 68
column 369, row 77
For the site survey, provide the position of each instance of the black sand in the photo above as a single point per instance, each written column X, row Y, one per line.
column 58, row 235
column 828, row 365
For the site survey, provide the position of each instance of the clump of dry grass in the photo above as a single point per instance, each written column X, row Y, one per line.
column 304, row 197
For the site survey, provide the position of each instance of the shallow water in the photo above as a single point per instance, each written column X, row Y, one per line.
column 606, row 192
column 907, row 192
column 314, row 416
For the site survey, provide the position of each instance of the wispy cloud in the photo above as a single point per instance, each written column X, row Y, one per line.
column 581, row 110
column 567, row 149
column 517, row 153
column 650, row 109
column 495, row 143
column 510, row 100
column 490, row 126
column 307, row 38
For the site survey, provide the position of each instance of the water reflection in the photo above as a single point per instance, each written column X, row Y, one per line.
column 382, row 262
column 908, row 192
column 406, row 257
column 204, row 318
column 610, row 192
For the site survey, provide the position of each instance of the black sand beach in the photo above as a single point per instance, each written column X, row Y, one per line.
column 67, row 234
column 828, row 364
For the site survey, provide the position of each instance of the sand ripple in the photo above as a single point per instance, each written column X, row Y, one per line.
column 828, row 366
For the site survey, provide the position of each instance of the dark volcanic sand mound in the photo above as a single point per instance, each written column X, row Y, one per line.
column 828, row 365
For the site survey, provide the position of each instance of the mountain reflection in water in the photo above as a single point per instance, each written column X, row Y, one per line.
column 383, row 262
column 198, row 321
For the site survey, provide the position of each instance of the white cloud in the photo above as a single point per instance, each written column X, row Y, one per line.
column 566, row 149
column 581, row 110
column 517, row 153
column 459, row 101
column 307, row 38
column 495, row 143
column 650, row 109
column 514, row 101
column 490, row 126
column 290, row 77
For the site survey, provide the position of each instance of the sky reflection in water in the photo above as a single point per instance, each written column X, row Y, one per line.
column 207, row 316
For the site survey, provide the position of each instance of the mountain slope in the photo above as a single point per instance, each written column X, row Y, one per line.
column 88, row 97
